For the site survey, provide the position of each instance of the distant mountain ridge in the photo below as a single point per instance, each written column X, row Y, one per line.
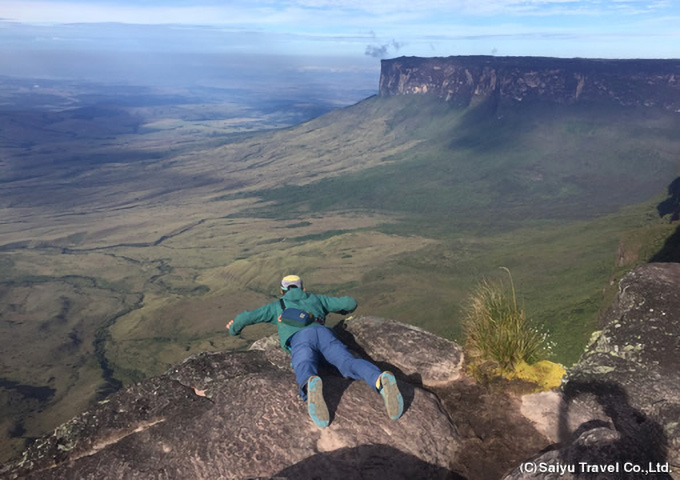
column 464, row 80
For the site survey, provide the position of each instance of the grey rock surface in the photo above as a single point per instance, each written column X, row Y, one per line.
column 250, row 424
column 629, row 381
column 272, row 350
column 416, row 354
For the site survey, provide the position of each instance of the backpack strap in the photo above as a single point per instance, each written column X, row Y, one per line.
column 283, row 305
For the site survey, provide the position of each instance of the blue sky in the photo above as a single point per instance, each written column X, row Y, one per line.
column 310, row 45
column 354, row 28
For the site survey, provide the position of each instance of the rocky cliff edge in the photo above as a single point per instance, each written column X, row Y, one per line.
column 251, row 423
column 618, row 412
column 618, row 408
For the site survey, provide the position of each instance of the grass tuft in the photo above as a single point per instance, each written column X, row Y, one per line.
column 498, row 336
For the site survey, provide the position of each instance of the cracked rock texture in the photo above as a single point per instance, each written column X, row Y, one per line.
column 250, row 424
column 625, row 389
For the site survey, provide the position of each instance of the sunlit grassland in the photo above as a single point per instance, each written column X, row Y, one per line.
column 499, row 170
column 244, row 283
column 538, row 189
column 117, row 239
column 138, row 259
column 194, row 282
column 49, row 329
column 565, row 274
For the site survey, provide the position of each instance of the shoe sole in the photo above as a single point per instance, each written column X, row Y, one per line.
column 394, row 402
column 316, row 405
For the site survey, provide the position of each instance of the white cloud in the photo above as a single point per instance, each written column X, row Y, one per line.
column 31, row 11
column 306, row 13
column 422, row 26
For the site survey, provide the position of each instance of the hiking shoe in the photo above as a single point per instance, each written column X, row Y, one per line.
column 316, row 405
column 394, row 402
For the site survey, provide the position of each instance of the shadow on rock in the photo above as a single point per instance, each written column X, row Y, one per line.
column 367, row 461
column 406, row 388
column 631, row 438
column 495, row 435
column 335, row 386
column 670, row 252
column 671, row 206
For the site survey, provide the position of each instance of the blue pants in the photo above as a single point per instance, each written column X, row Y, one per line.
column 309, row 345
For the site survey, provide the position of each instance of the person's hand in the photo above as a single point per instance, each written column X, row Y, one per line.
column 229, row 324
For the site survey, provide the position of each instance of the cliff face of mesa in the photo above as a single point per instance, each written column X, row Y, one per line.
column 466, row 80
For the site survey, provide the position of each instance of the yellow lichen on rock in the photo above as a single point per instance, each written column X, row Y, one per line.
column 545, row 374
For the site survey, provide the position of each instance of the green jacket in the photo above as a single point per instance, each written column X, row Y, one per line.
column 317, row 305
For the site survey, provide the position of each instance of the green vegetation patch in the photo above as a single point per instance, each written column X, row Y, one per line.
column 502, row 168
column 105, row 299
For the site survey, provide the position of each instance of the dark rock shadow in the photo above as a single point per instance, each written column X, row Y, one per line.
column 367, row 462
column 670, row 252
column 671, row 206
column 496, row 437
column 334, row 386
column 631, row 438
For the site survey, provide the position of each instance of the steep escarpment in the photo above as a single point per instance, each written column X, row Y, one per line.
column 465, row 80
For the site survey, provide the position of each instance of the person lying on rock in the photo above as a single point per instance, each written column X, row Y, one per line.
column 299, row 317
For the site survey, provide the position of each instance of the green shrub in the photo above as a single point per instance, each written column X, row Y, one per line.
column 498, row 335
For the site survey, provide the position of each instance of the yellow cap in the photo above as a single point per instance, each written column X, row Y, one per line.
column 291, row 280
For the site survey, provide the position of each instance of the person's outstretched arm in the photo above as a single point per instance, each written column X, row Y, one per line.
column 265, row 314
column 341, row 305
